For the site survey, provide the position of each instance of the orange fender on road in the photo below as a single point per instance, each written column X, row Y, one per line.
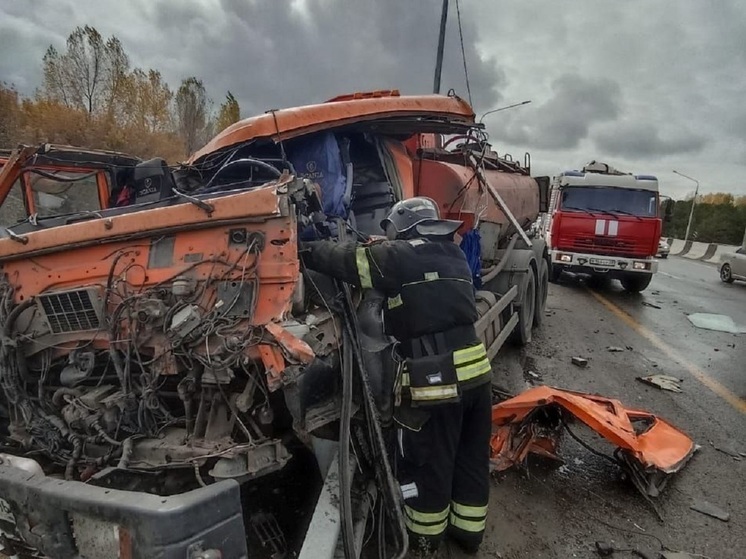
column 648, row 447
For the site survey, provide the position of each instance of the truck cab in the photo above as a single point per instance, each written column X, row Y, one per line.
column 604, row 223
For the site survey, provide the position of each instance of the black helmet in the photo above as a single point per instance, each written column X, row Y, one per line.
column 420, row 213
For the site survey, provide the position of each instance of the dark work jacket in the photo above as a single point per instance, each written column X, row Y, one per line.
column 428, row 284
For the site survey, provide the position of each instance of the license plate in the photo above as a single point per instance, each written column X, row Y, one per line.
column 6, row 513
column 602, row 261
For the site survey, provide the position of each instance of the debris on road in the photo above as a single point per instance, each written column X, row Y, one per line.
column 717, row 322
column 580, row 362
column 678, row 555
column 614, row 349
column 646, row 304
column 664, row 382
column 710, row 510
column 729, row 450
column 648, row 449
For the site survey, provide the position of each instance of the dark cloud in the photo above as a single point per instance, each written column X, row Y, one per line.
column 272, row 55
column 591, row 68
column 645, row 141
column 561, row 122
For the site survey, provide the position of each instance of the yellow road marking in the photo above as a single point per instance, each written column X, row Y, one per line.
column 696, row 372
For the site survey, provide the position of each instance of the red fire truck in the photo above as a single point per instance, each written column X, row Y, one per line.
column 605, row 223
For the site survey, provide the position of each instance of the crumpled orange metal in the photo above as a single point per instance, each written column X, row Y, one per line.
column 645, row 441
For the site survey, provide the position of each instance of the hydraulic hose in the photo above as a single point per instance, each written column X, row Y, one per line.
column 391, row 490
column 497, row 268
column 345, row 483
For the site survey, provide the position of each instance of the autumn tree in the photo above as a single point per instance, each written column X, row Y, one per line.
column 10, row 116
column 229, row 113
column 192, row 113
column 89, row 75
column 716, row 198
column 147, row 99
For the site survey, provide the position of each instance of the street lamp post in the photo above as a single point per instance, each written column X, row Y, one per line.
column 503, row 108
column 694, row 201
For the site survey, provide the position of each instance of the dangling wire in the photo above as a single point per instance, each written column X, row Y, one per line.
column 463, row 51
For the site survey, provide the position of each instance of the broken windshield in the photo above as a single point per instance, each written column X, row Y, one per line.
column 608, row 199
column 58, row 192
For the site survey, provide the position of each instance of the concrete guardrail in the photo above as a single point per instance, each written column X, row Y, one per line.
column 706, row 252
column 677, row 246
column 697, row 251
column 720, row 250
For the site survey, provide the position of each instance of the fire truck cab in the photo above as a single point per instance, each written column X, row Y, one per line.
column 605, row 223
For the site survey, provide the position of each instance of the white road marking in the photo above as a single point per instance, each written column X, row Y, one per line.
column 670, row 275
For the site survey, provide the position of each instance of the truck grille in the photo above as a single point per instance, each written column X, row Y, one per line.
column 72, row 311
column 606, row 245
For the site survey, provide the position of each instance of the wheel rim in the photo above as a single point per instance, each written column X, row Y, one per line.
column 725, row 272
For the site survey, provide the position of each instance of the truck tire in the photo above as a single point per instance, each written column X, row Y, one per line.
column 522, row 334
column 542, row 290
column 554, row 273
column 634, row 283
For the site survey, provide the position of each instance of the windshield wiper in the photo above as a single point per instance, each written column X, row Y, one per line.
column 607, row 212
column 624, row 212
column 208, row 208
column 577, row 209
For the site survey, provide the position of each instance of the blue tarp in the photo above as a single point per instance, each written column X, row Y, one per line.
column 471, row 245
column 318, row 159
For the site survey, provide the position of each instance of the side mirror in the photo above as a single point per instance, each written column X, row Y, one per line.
column 668, row 210
column 543, row 183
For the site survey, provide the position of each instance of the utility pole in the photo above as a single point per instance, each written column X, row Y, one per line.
column 694, row 201
column 441, row 45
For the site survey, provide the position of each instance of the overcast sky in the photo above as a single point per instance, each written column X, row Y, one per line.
column 646, row 86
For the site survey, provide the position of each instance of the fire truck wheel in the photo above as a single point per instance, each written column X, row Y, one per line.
column 542, row 290
column 636, row 282
column 522, row 334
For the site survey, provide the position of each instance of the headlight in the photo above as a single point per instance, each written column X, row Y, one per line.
column 640, row 265
column 564, row 257
column 99, row 538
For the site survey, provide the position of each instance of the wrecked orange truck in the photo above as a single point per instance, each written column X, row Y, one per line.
column 175, row 384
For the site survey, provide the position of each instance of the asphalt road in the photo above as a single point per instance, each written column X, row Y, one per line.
column 560, row 512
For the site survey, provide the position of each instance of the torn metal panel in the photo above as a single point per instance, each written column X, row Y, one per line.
column 664, row 382
column 648, row 447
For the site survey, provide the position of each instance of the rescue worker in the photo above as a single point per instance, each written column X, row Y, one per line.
column 443, row 384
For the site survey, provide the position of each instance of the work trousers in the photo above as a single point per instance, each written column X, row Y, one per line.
column 446, row 463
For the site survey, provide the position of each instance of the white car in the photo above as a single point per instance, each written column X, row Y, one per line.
column 663, row 249
column 733, row 265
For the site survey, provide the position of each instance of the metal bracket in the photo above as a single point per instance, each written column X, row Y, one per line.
column 479, row 170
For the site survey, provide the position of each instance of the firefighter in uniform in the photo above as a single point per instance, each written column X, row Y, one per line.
column 443, row 384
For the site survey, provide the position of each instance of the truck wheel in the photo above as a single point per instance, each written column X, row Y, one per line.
column 635, row 283
column 554, row 273
column 522, row 333
column 542, row 290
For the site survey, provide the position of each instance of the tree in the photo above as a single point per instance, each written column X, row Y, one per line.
column 192, row 113
column 10, row 116
column 147, row 99
column 229, row 113
column 89, row 75
column 716, row 198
